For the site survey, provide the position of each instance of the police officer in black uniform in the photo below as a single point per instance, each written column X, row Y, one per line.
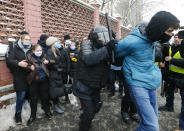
column 92, row 73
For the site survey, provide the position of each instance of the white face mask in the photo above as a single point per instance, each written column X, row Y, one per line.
column 38, row 53
column 72, row 47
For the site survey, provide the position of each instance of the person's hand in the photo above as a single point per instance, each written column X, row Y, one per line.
column 32, row 68
column 23, row 64
column 168, row 58
column 113, row 35
column 110, row 45
column 162, row 65
column 45, row 62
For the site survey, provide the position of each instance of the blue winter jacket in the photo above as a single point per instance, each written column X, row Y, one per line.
column 139, row 57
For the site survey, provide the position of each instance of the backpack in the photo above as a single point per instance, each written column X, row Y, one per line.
column 11, row 46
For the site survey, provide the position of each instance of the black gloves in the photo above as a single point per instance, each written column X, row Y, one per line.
column 113, row 34
column 110, row 46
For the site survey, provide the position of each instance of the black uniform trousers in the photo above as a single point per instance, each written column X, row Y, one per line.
column 90, row 107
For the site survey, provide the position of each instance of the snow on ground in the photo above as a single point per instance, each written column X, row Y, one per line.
column 7, row 115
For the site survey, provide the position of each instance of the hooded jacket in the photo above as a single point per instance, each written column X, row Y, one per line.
column 139, row 57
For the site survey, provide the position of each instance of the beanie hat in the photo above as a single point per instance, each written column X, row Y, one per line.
column 51, row 40
column 43, row 37
column 159, row 23
column 66, row 37
column 24, row 33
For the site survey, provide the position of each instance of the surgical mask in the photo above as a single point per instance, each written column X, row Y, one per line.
column 26, row 44
column 72, row 47
column 38, row 53
column 57, row 45
column 164, row 38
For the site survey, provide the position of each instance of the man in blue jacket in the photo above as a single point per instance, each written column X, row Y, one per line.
column 141, row 74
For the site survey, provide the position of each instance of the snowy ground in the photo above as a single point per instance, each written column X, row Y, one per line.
column 108, row 119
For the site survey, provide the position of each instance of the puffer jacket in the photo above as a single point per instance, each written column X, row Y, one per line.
column 139, row 57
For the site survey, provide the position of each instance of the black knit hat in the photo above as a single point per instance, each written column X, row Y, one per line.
column 66, row 37
column 24, row 33
column 159, row 23
column 43, row 37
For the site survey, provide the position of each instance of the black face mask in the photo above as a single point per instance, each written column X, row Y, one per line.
column 164, row 38
column 98, row 44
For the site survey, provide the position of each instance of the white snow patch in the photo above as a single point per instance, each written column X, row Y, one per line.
column 7, row 115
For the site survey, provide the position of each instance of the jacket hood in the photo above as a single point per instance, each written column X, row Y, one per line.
column 140, row 31
column 19, row 43
column 159, row 23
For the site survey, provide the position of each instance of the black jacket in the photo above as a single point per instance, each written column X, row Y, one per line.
column 73, row 61
column 92, row 73
column 19, row 73
column 57, row 66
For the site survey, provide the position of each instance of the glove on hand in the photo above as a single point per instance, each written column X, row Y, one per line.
column 110, row 46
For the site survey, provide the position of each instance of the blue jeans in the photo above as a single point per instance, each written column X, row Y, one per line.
column 146, row 103
column 20, row 99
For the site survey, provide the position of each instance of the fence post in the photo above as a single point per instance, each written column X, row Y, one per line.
column 96, row 15
column 118, row 27
column 32, row 18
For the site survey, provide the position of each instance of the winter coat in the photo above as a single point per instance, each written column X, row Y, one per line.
column 73, row 61
column 92, row 73
column 32, row 60
column 19, row 73
column 139, row 57
column 56, row 67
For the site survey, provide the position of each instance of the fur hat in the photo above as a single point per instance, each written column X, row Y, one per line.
column 51, row 40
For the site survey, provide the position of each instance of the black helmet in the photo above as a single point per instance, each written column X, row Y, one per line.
column 99, row 33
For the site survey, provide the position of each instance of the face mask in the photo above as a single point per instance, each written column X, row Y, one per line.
column 164, row 38
column 56, row 45
column 72, row 47
column 38, row 53
column 26, row 44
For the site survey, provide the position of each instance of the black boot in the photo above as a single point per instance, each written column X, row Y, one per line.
column 84, row 126
column 49, row 115
column 30, row 121
column 135, row 117
column 18, row 118
column 126, row 117
column 166, row 108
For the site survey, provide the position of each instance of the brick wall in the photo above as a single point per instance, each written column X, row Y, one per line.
column 124, row 32
column 48, row 16
column 5, row 75
column 32, row 15
column 59, row 18
column 11, row 19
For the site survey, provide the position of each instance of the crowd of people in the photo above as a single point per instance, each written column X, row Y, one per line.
column 41, row 70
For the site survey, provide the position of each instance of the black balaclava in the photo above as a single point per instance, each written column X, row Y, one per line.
column 158, row 24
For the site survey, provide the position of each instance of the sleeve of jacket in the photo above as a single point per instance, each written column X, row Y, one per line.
column 124, row 46
column 11, row 59
column 96, row 56
column 158, row 53
column 177, row 62
column 67, row 56
column 52, row 62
